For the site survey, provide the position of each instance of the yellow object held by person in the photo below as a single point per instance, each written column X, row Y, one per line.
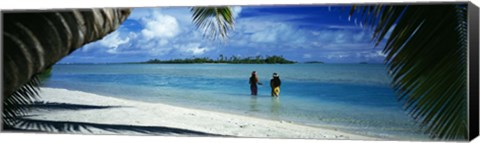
column 276, row 91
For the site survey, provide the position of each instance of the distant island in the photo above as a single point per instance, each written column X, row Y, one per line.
column 224, row 59
column 314, row 62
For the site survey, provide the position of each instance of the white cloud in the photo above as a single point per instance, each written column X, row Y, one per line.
column 275, row 31
column 380, row 53
column 160, row 26
column 264, row 36
column 334, row 39
column 159, row 51
column 374, row 55
column 192, row 48
column 139, row 13
column 338, row 55
column 371, row 54
column 359, row 37
column 170, row 33
column 258, row 32
column 236, row 10
column 307, row 56
column 113, row 41
column 340, row 37
column 350, row 47
column 163, row 42
column 346, row 56
column 159, row 29
column 153, row 34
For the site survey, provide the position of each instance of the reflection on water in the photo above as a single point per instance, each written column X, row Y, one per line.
column 275, row 108
column 253, row 103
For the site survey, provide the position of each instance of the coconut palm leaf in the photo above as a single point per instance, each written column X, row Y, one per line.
column 13, row 108
column 35, row 40
column 426, row 58
column 213, row 21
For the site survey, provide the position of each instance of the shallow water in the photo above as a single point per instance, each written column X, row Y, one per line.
column 354, row 98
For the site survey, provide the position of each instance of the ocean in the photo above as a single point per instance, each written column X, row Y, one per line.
column 355, row 98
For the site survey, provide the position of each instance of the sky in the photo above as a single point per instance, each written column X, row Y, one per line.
column 298, row 33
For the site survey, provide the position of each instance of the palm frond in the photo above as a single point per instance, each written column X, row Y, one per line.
column 214, row 22
column 35, row 40
column 13, row 106
column 426, row 58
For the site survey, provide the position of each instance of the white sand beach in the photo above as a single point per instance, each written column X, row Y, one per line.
column 86, row 113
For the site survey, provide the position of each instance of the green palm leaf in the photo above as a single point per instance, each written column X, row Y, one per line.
column 213, row 21
column 78, row 28
column 426, row 57
column 34, row 41
column 13, row 108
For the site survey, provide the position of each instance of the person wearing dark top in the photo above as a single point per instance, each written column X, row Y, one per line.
column 253, row 83
column 275, row 83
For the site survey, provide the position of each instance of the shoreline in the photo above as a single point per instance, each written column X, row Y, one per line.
column 97, row 114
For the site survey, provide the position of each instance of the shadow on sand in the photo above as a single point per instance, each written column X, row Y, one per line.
column 35, row 125
column 26, row 124
column 65, row 106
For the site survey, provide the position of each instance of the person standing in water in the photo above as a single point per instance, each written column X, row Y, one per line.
column 253, row 83
column 275, row 85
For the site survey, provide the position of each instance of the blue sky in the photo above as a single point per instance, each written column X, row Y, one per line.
column 299, row 33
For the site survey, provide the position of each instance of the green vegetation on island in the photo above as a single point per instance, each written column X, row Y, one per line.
column 314, row 62
column 224, row 59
